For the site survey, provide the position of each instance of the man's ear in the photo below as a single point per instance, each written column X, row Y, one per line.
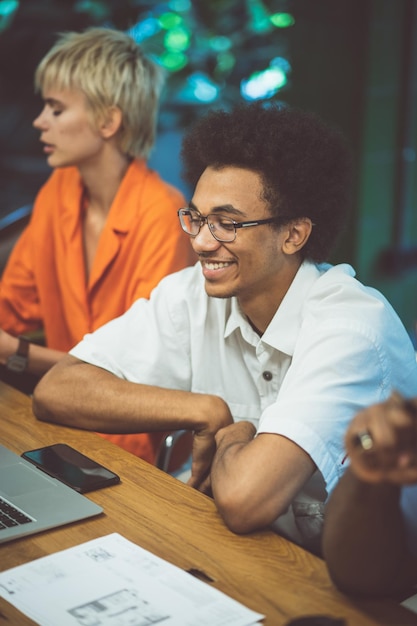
column 111, row 122
column 298, row 232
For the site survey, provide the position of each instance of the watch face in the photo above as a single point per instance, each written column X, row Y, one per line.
column 16, row 363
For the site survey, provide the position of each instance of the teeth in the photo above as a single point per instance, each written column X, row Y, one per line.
column 215, row 266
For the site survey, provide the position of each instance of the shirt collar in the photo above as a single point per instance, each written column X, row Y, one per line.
column 123, row 211
column 237, row 320
column 284, row 328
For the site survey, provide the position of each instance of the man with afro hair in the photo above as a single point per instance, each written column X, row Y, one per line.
column 263, row 349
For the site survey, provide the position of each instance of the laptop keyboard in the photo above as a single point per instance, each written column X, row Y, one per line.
column 10, row 516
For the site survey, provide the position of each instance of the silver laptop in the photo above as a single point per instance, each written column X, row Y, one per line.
column 31, row 501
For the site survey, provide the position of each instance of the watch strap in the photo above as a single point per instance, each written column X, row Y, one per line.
column 18, row 361
column 23, row 347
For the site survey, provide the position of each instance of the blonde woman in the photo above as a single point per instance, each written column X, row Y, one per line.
column 104, row 228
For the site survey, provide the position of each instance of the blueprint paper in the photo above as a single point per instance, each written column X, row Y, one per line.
column 111, row 581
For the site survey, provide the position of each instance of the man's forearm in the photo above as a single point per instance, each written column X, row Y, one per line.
column 364, row 539
column 84, row 396
column 228, row 480
column 255, row 479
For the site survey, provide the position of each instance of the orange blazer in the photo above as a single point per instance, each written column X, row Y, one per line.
column 44, row 282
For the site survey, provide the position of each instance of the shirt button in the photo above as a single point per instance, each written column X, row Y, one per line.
column 267, row 375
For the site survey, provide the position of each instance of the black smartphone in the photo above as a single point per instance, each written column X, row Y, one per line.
column 71, row 467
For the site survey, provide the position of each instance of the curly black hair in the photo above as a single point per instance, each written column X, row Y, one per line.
column 305, row 164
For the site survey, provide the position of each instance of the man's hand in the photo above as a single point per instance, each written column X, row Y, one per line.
column 238, row 433
column 382, row 442
column 204, row 444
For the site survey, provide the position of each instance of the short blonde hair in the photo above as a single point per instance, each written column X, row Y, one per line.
column 111, row 70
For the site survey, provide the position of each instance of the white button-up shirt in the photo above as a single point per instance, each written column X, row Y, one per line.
column 333, row 347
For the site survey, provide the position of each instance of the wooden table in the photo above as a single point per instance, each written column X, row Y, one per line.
column 261, row 570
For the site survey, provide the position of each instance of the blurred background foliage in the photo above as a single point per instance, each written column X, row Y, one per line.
column 214, row 53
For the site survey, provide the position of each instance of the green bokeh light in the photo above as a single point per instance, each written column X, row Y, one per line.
column 282, row 20
column 263, row 84
column 97, row 9
column 180, row 5
column 225, row 62
column 177, row 39
column 7, row 10
column 173, row 61
column 220, row 43
column 170, row 20
column 8, row 7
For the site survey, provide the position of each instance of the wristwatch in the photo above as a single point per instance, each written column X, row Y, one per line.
column 18, row 362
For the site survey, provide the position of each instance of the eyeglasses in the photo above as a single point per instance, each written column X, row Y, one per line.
column 222, row 228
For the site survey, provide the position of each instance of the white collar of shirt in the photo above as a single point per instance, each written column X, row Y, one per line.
column 284, row 329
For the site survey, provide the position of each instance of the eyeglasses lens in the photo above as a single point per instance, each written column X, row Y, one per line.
column 222, row 228
column 190, row 221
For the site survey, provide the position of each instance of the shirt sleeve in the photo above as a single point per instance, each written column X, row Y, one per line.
column 321, row 393
column 148, row 344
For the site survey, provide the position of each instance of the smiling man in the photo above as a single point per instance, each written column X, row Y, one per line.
column 263, row 350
